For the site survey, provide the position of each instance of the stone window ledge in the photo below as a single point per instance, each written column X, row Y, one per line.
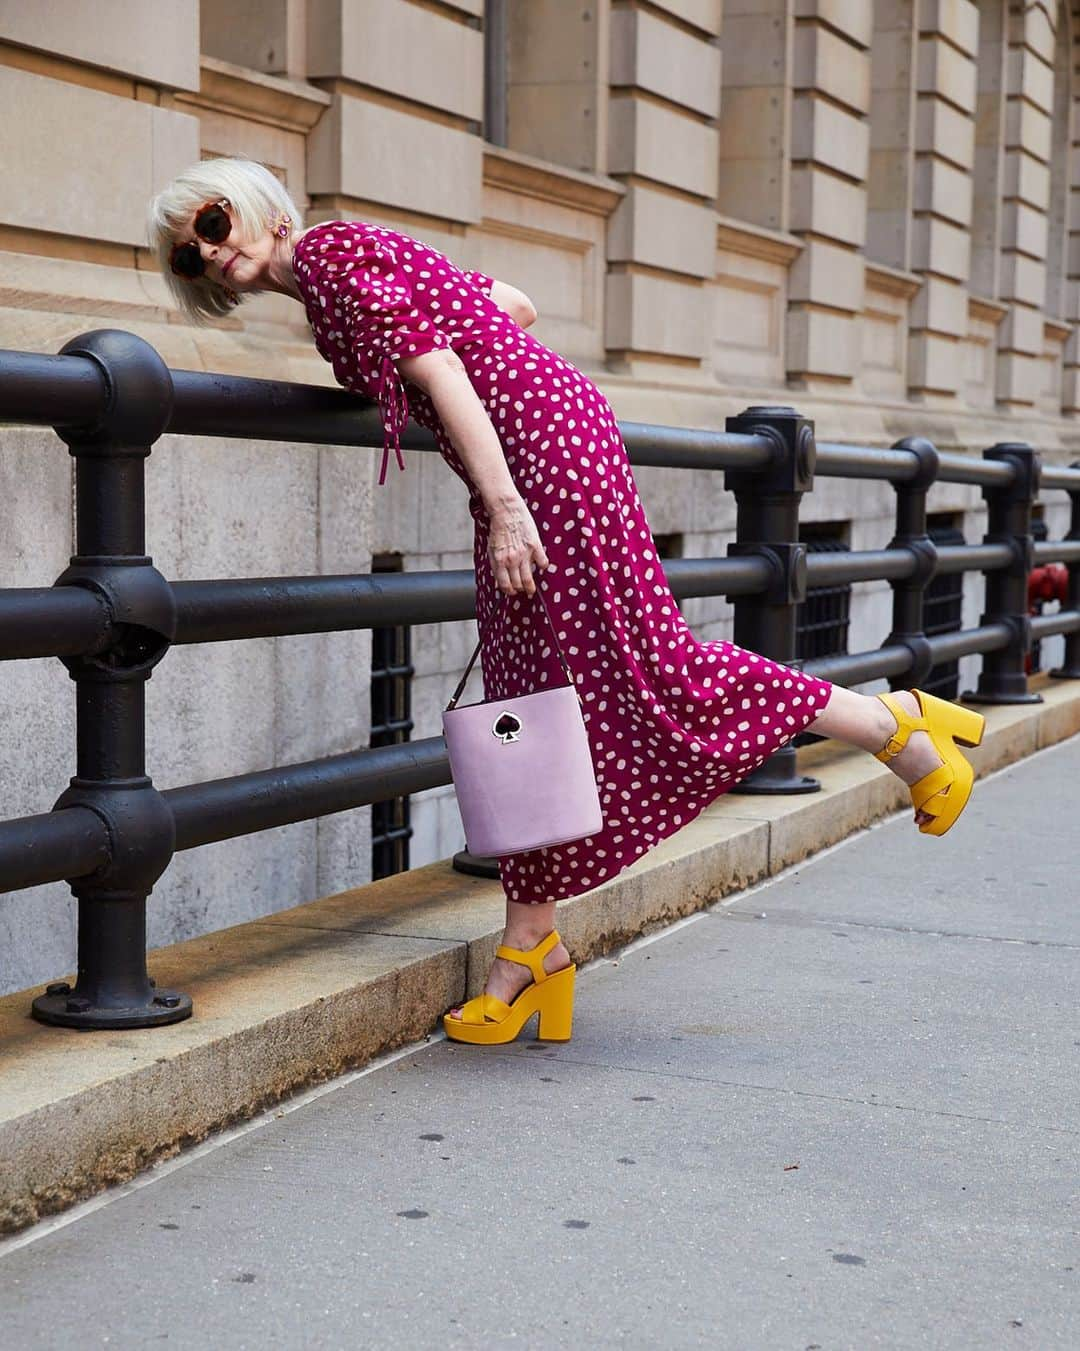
column 226, row 88
column 755, row 241
column 893, row 281
column 534, row 177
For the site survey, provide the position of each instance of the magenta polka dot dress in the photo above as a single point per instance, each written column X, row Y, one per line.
column 672, row 722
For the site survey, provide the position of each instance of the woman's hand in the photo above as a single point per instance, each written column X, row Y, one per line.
column 514, row 547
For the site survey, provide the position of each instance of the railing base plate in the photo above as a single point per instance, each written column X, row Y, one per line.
column 65, row 1009
column 801, row 783
column 1064, row 673
column 777, row 776
column 974, row 697
column 476, row 865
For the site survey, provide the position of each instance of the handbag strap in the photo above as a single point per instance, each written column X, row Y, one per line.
column 483, row 630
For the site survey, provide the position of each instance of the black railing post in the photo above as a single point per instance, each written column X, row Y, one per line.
column 908, row 625
column 1070, row 667
column 112, row 989
column 767, row 526
column 1003, row 679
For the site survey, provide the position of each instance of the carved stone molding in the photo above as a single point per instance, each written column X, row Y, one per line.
column 756, row 241
column 551, row 182
column 288, row 104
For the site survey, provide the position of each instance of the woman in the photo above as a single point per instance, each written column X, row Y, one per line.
column 672, row 722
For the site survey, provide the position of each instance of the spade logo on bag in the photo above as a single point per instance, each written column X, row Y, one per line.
column 507, row 728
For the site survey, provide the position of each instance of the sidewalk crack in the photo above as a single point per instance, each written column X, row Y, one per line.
column 801, row 1093
column 800, row 919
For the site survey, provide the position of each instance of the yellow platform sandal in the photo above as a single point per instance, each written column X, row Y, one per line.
column 488, row 1021
column 943, row 793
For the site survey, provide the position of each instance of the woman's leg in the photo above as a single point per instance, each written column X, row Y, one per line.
column 525, row 926
column 859, row 719
column 864, row 721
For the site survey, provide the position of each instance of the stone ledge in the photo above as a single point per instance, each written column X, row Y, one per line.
column 305, row 994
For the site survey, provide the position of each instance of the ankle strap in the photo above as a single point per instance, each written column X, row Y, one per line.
column 906, row 723
column 534, row 957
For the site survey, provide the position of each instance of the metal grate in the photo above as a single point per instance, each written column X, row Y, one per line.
column 391, row 724
column 1040, row 533
column 822, row 620
column 669, row 546
column 943, row 603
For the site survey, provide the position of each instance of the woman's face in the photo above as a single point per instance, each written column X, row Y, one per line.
column 239, row 261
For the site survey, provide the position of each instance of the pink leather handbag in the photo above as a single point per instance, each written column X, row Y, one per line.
column 522, row 767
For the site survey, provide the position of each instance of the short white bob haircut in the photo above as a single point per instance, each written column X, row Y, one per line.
column 257, row 199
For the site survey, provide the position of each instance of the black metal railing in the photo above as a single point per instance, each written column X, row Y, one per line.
column 111, row 617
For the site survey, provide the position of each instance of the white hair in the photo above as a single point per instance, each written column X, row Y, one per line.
column 257, row 198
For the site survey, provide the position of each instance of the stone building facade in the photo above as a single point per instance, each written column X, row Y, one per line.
column 864, row 209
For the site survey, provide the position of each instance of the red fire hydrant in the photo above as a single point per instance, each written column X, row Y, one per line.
column 1049, row 582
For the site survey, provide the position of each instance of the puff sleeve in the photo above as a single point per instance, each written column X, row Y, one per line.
column 481, row 281
column 368, row 321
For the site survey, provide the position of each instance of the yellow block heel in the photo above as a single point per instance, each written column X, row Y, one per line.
column 489, row 1021
column 944, row 792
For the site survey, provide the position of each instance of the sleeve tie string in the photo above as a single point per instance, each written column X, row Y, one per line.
column 394, row 410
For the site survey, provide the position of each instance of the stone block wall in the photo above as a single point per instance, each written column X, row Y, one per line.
column 871, row 211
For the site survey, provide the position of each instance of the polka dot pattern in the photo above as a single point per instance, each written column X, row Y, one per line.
column 672, row 722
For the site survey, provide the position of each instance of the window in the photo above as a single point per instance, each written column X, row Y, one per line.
column 542, row 88
column 496, row 71
column 1061, row 222
column 391, row 724
column 988, row 176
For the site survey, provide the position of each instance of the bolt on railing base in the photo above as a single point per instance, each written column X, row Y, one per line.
column 63, row 1006
column 476, row 865
column 777, row 775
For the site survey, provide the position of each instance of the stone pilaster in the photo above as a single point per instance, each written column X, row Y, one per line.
column 948, row 32
column 662, row 143
column 829, row 163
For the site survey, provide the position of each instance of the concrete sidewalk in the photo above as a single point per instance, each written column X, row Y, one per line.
column 310, row 992
column 837, row 1112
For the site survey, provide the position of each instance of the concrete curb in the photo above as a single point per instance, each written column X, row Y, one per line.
column 308, row 993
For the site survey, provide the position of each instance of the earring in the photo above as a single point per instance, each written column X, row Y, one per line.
column 231, row 296
column 283, row 226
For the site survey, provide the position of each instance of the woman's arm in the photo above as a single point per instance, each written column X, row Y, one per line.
column 442, row 376
column 514, row 544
